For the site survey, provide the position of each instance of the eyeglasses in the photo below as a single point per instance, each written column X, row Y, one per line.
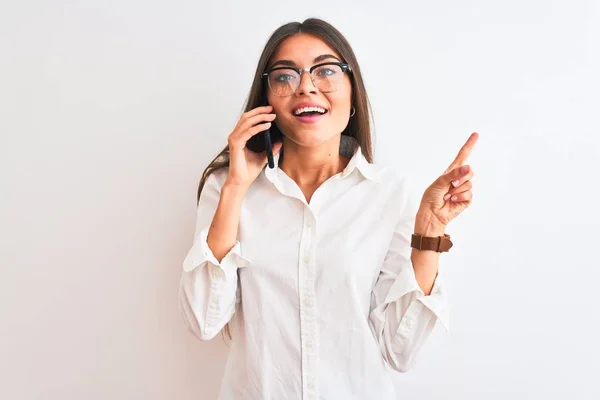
column 327, row 77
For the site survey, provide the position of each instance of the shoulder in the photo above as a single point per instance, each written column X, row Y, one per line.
column 213, row 182
column 217, row 178
column 399, row 185
column 392, row 177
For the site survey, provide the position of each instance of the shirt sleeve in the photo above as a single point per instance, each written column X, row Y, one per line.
column 208, row 290
column 402, row 317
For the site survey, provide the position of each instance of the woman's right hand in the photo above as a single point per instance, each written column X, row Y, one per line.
column 244, row 164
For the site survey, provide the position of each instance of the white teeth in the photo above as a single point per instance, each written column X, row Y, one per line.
column 309, row 109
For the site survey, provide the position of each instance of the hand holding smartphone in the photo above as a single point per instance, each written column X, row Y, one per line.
column 264, row 140
column 269, row 148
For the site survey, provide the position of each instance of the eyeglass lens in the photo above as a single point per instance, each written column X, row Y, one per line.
column 285, row 81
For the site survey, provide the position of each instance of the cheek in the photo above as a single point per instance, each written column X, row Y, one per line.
column 342, row 98
column 283, row 118
column 278, row 106
column 272, row 99
column 341, row 103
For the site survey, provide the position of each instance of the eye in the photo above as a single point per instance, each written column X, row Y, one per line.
column 283, row 76
column 325, row 71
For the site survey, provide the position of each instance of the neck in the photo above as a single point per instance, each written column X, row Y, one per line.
column 311, row 166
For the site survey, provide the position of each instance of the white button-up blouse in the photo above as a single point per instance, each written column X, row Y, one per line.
column 319, row 296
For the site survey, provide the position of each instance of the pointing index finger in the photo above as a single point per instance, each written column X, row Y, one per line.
column 464, row 152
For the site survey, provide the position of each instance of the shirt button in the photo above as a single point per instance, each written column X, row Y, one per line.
column 216, row 274
column 308, row 302
column 307, row 259
column 309, row 344
column 310, row 385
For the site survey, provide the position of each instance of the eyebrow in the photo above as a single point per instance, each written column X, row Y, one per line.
column 293, row 64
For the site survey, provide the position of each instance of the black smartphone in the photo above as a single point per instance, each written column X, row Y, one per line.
column 264, row 140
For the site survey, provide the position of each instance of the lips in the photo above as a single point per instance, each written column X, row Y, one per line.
column 309, row 118
column 309, row 112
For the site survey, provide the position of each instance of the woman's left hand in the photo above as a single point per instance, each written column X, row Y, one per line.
column 452, row 192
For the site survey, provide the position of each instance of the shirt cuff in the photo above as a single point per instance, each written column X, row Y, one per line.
column 437, row 302
column 200, row 253
column 412, row 323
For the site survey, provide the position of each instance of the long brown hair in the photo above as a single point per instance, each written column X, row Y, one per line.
column 359, row 126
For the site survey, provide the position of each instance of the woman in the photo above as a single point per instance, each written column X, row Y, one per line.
column 310, row 264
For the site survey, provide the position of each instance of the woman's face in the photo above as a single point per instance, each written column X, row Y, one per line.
column 304, row 51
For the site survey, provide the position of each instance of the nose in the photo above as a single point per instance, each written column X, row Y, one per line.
column 306, row 84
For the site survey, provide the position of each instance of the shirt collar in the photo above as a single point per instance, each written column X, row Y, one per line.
column 349, row 147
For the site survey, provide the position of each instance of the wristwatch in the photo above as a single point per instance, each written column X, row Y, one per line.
column 439, row 244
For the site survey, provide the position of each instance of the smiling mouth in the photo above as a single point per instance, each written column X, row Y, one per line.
column 309, row 112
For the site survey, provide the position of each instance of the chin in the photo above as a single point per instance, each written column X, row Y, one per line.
column 309, row 134
column 310, row 138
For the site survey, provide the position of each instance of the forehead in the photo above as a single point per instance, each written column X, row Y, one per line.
column 303, row 49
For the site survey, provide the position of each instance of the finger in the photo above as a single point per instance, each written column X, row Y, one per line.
column 462, row 197
column 464, row 152
column 239, row 138
column 256, row 119
column 257, row 110
column 455, row 177
column 245, row 135
column 468, row 185
column 251, row 113
column 465, row 174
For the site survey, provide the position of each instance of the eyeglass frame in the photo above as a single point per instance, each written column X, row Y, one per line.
column 344, row 66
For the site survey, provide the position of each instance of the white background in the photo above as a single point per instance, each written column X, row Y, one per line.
column 110, row 111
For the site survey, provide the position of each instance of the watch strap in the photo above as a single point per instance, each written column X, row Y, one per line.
column 439, row 244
